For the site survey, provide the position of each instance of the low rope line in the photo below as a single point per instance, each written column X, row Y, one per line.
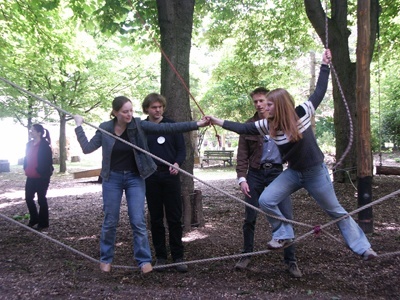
column 169, row 164
column 384, row 198
column 315, row 229
column 50, row 239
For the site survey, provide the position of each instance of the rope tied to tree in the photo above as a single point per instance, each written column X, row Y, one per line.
column 139, row 17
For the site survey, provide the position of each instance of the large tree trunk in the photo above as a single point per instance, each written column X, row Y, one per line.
column 176, row 21
column 338, row 34
column 63, row 143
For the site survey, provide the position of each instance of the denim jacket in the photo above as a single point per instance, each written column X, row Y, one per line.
column 137, row 130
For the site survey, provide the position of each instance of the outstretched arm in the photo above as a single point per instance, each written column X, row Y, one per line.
column 215, row 121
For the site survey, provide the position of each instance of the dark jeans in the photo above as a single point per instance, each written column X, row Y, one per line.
column 38, row 186
column 257, row 181
column 163, row 191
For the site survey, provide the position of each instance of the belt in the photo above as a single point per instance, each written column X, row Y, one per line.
column 123, row 172
column 270, row 166
column 162, row 168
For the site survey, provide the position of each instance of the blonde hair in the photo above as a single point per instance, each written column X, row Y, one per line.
column 285, row 118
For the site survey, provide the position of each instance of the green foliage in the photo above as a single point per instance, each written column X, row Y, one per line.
column 385, row 115
column 325, row 134
column 389, row 32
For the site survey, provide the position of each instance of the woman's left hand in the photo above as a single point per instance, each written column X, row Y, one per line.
column 326, row 57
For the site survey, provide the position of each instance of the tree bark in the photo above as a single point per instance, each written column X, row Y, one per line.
column 62, row 143
column 175, row 18
column 364, row 170
column 338, row 42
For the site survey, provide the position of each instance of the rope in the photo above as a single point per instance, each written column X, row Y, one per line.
column 384, row 198
column 158, row 158
column 167, row 163
column 173, row 68
column 50, row 239
column 351, row 134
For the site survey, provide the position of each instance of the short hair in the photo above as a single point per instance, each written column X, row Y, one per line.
column 152, row 98
column 259, row 90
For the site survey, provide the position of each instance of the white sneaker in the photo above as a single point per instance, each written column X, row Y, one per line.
column 277, row 244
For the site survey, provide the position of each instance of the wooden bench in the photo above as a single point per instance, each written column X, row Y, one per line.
column 225, row 155
column 88, row 173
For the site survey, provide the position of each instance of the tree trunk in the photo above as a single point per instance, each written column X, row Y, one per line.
column 338, row 34
column 176, row 21
column 364, row 171
column 62, row 144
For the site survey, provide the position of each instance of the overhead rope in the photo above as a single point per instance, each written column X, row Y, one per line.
column 351, row 129
column 172, row 67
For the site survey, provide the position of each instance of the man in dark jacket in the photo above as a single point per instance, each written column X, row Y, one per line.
column 163, row 188
column 258, row 164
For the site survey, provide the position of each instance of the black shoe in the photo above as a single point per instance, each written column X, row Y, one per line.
column 40, row 227
column 32, row 223
column 183, row 268
column 294, row 270
column 158, row 265
column 242, row 263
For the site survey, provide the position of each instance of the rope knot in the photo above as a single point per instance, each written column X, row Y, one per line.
column 317, row 230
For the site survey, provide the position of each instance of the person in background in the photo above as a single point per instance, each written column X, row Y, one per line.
column 290, row 128
column 163, row 188
column 258, row 164
column 38, row 167
column 124, row 169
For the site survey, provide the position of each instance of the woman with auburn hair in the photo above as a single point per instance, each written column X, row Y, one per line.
column 290, row 128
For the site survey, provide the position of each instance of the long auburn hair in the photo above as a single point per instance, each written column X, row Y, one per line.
column 285, row 118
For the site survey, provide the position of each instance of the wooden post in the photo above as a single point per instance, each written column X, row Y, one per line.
column 364, row 157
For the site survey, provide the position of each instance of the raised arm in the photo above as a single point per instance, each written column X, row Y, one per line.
column 322, row 83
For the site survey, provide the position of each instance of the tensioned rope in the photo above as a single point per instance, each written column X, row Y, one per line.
column 154, row 156
column 316, row 229
column 351, row 133
column 173, row 68
column 214, row 258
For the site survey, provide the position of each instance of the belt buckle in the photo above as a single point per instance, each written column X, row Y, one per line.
column 267, row 165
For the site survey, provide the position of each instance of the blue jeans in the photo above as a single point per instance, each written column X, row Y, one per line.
column 258, row 179
column 317, row 182
column 134, row 187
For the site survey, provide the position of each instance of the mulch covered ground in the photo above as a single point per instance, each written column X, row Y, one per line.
column 33, row 267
